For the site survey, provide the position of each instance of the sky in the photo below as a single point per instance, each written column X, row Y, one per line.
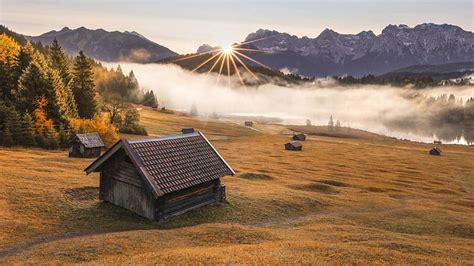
column 183, row 25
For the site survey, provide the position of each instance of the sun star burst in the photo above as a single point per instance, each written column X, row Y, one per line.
column 227, row 58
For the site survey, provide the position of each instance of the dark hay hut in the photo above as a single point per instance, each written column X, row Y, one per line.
column 293, row 146
column 435, row 151
column 248, row 123
column 86, row 145
column 300, row 137
column 188, row 130
column 162, row 177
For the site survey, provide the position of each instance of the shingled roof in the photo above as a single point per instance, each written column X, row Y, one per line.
column 171, row 163
column 90, row 140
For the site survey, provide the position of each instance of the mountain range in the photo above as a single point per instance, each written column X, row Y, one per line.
column 332, row 53
column 108, row 46
column 328, row 54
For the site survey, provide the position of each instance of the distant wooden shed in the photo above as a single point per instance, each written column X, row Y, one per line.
column 435, row 151
column 162, row 177
column 188, row 130
column 248, row 123
column 300, row 137
column 293, row 146
column 88, row 145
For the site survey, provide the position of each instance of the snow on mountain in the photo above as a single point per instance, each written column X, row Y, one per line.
column 365, row 52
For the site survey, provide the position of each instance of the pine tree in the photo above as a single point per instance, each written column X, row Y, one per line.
column 63, row 137
column 27, row 131
column 6, row 138
column 83, row 87
column 59, row 67
column 330, row 124
column 24, row 58
column 52, row 142
column 338, row 125
column 6, row 117
column 14, row 125
column 58, row 61
column 32, row 84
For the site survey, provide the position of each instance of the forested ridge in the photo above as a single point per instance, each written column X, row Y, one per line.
column 46, row 96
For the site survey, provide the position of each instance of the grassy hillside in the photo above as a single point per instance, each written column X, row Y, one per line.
column 339, row 200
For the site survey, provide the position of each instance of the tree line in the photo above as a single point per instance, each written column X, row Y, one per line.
column 46, row 97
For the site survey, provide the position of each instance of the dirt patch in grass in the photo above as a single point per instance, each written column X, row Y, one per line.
column 461, row 230
column 407, row 248
column 375, row 189
column 335, row 183
column 255, row 176
column 82, row 193
column 445, row 191
column 316, row 187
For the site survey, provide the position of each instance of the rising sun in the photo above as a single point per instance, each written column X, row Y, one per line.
column 228, row 57
column 228, row 50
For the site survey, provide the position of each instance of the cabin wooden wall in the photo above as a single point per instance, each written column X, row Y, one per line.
column 75, row 151
column 120, row 184
column 182, row 201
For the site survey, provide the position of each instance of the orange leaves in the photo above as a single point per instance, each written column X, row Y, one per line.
column 98, row 124
column 42, row 123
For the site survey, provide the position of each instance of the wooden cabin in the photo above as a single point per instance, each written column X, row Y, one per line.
column 88, row 145
column 188, row 130
column 435, row 151
column 248, row 123
column 162, row 177
column 300, row 137
column 293, row 146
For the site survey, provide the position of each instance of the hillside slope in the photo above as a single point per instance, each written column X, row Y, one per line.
column 338, row 201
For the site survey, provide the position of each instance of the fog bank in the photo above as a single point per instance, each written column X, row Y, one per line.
column 367, row 107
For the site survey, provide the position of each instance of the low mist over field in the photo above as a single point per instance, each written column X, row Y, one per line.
column 400, row 112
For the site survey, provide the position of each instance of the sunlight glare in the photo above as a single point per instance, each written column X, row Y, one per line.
column 228, row 50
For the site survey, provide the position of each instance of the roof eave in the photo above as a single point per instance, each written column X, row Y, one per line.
column 99, row 161
column 141, row 168
column 218, row 154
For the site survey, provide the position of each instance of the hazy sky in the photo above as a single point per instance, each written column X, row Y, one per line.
column 183, row 25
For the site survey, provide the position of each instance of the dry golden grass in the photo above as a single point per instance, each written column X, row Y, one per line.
column 337, row 201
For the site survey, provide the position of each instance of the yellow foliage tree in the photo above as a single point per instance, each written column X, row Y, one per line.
column 98, row 124
column 9, row 50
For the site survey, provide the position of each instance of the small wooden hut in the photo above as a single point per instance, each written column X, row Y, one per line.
column 248, row 123
column 293, row 146
column 162, row 177
column 188, row 130
column 299, row 137
column 435, row 151
column 88, row 145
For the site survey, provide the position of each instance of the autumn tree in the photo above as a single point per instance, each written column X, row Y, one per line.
column 9, row 51
column 42, row 123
